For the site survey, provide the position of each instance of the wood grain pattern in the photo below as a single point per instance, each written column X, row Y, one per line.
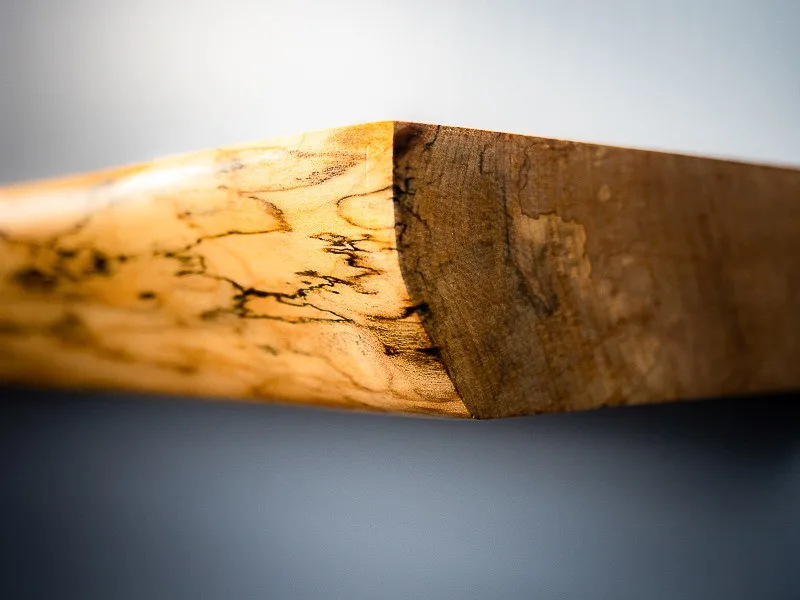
column 564, row 276
column 408, row 268
column 262, row 272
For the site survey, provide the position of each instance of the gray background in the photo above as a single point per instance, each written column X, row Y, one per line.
column 121, row 497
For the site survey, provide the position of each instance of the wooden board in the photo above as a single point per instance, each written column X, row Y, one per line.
column 408, row 268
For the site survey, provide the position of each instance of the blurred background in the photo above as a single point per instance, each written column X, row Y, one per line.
column 114, row 496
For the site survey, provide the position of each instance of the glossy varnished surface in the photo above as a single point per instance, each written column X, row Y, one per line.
column 266, row 271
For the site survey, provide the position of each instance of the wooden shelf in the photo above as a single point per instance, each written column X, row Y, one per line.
column 408, row 268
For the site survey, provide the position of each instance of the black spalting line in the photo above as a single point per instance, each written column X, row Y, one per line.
column 211, row 236
column 422, row 309
column 195, row 265
column 432, row 351
column 340, row 244
column 101, row 264
column 244, row 294
column 336, row 168
column 35, row 279
column 361, row 195
column 71, row 265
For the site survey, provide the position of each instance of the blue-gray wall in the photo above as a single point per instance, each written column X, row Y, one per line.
column 108, row 497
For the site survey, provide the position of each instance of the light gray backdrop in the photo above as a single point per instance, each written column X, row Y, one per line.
column 107, row 497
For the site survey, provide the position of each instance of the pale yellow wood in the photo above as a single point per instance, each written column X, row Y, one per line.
column 265, row 271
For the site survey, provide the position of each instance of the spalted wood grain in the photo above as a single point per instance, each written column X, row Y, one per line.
column 409, row 268
column 262, row 272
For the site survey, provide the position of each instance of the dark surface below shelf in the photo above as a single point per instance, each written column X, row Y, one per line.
column 117, row 496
